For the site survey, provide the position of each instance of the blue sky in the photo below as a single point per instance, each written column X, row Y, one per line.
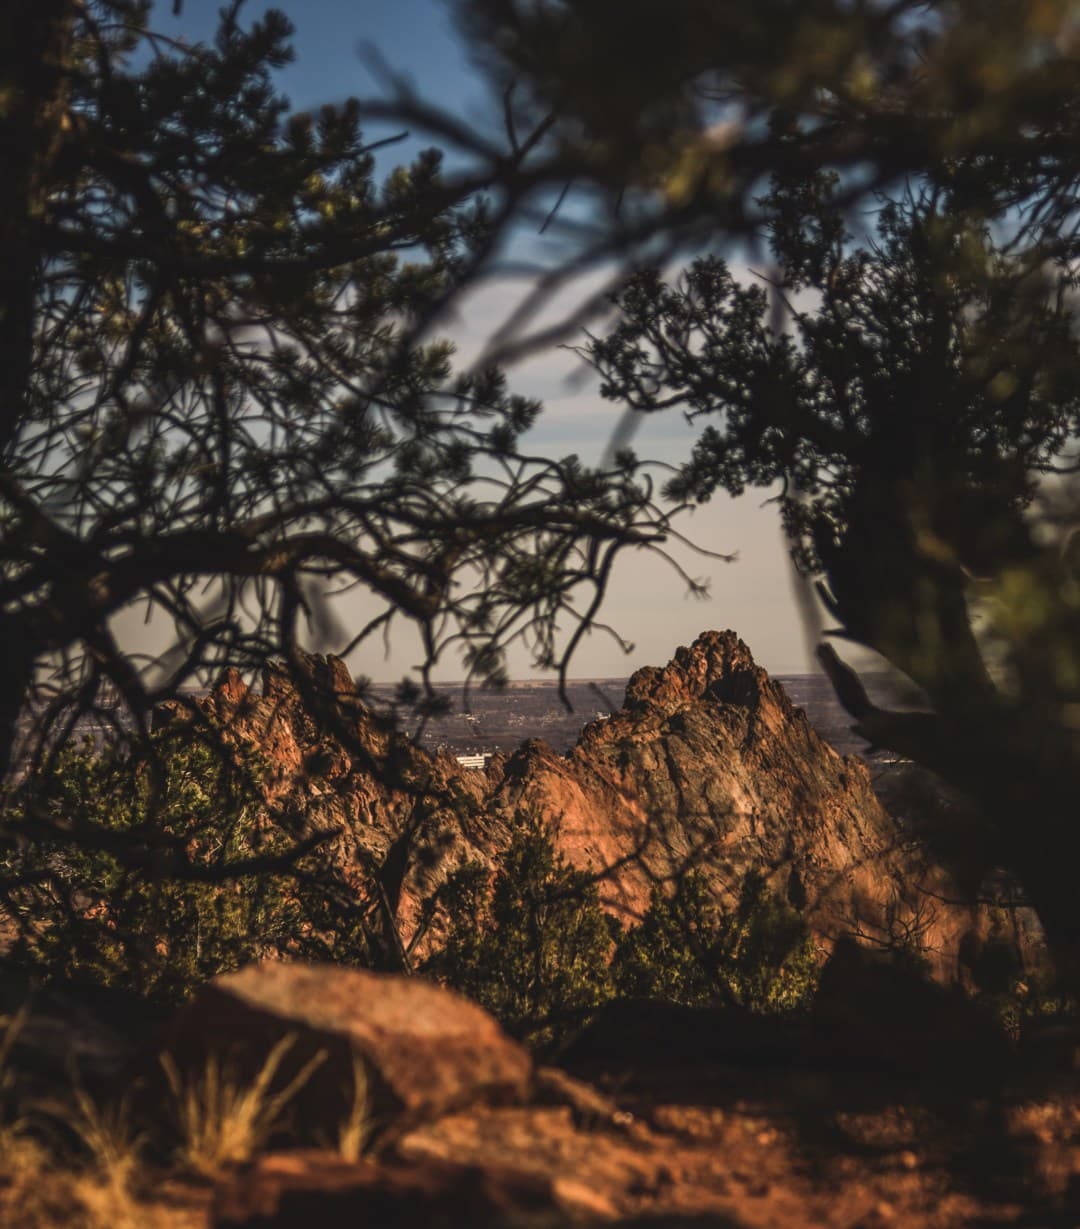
column 647, row 604
column 414, row 36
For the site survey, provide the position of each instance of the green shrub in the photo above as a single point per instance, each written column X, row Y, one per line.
column 97, row 900
column 531, row 943
column 687, row 949
column 102, row 902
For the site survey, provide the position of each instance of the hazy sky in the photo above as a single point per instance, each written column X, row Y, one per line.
column 647, row 601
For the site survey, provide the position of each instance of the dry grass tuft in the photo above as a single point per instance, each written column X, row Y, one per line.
column 37, row 1192
column 22, row 1158
column 41, row 1188
column 100, row 1193
column 356, row 1127
column 107, row 1133
column 102, row 1183
column 224, row 1120
column 11, row 1126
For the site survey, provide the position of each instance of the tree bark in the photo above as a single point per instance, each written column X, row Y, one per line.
column 16, row 675
column 35, row 47
column 1021, row 772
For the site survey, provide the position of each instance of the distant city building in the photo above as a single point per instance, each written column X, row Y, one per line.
column 474, row 761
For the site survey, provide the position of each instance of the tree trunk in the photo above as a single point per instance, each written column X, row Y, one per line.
column 35, row 41
column 16, row 675
column 35, row 54
column 1022, row 771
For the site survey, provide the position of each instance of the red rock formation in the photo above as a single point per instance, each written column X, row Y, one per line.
column 331, row 764
column 707, row 764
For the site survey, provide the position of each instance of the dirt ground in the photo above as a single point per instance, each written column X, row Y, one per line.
column 786, row 1149
column 702, row 1145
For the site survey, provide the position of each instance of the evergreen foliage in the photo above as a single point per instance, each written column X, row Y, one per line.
column 915, row 419
column 530, row 943
column 85, row 913
column 687, row 949
column 909, row 389
column 221, row 400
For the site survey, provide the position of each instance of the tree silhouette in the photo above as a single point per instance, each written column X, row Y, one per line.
column 921, row 415
column 912, row 420
column 654, row 136
column 219, row 400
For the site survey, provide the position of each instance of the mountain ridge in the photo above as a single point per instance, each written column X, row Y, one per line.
column 707, row 765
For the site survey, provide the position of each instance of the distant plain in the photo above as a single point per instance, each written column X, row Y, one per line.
column 502, row 720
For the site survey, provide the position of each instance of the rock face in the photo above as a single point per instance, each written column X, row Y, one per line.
column 331, row 764
column 708, row 764
column 425, row 1050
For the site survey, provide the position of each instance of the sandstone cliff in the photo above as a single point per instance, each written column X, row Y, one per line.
column 708, row 764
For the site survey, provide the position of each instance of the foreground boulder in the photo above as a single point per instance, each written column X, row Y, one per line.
column 425, row 1051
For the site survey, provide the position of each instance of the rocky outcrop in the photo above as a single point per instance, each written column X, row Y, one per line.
column 424, row 1050
column 330, row 764
column 708, row 765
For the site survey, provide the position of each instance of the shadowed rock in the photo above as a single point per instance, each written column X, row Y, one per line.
column 425, row 1050
column 874, row 1012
